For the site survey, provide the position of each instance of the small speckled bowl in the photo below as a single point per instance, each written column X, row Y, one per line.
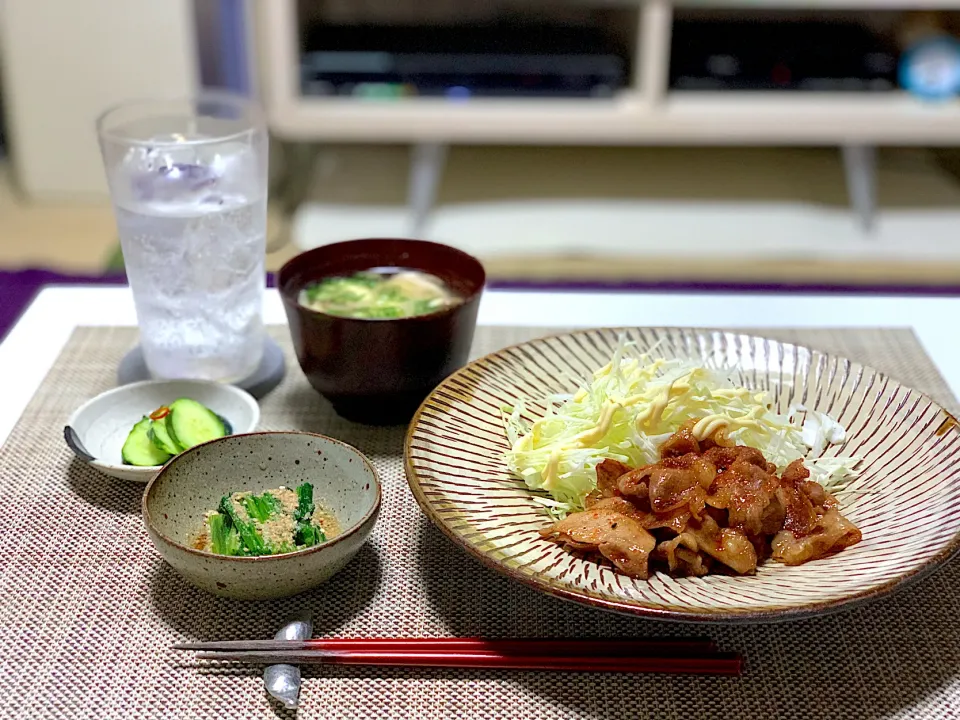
column 177, row 499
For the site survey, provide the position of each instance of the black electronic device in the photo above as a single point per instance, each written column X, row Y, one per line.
column 769, row 55
column 459, row 62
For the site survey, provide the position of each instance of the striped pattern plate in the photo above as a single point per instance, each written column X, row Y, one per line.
column 906, row 502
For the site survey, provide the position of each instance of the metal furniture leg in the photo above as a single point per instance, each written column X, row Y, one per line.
column 427, row 161
column 860, row 167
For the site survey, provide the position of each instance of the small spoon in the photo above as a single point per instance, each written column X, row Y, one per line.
column 75, row 444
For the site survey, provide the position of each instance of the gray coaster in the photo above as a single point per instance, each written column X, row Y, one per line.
column 264, row 379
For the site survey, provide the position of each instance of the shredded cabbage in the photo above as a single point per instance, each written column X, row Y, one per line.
column 634, row 403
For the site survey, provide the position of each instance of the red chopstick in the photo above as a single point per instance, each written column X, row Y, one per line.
column 709, row 664
column 693, row 656
column 615, row 647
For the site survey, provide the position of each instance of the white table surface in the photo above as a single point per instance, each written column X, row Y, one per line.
column 32, row 346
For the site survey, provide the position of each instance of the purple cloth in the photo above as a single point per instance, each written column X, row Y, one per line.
column 697, row 286
column 18, row 288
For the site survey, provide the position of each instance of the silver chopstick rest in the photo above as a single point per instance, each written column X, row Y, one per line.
column 282, row 682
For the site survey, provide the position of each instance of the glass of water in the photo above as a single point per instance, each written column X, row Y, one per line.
column 188, row 180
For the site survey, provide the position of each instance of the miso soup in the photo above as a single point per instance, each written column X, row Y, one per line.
column 380, row 294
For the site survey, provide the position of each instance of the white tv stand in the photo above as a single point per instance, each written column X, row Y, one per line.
column 645, row 113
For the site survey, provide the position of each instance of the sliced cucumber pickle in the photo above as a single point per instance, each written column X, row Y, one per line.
column 140, row 450
column 190, row 423
column 160, row 434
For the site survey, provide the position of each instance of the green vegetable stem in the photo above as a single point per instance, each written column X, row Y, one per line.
column 253, row 543
column 224, row 538
column 305, row 506
column 307, row 534
column 261, row 507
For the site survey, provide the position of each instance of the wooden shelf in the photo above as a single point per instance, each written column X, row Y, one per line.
column 481, row 121
column 681, row 118
column 645, row 113
column 808, row 118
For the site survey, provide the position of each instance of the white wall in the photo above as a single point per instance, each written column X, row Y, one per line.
column 64, row 61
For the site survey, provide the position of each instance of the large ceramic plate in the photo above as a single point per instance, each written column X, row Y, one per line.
column 908, row 507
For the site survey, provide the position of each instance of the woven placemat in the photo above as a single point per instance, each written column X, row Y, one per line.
column 88, row 609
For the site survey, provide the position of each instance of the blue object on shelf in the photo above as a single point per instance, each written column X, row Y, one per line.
column 930, row 69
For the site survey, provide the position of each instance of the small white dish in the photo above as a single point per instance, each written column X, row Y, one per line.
column 97, row 429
